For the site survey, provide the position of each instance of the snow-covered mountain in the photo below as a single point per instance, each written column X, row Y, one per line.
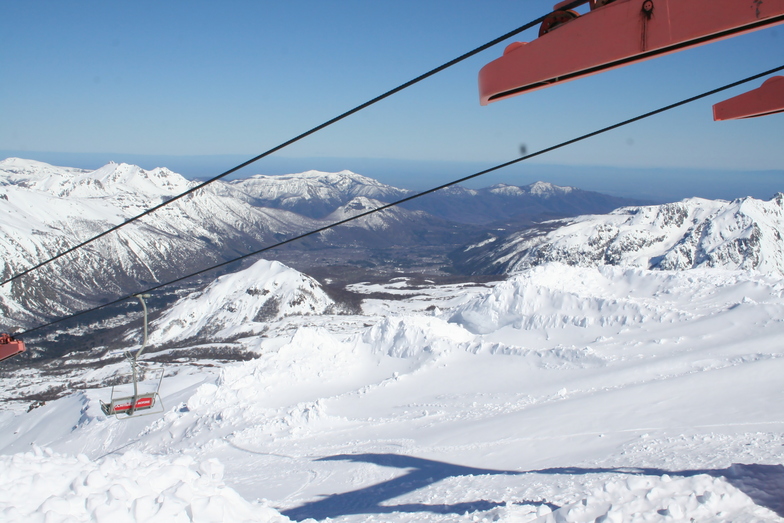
column 110, row 181
column 314, row 193
column 743, row 234
column 239, row 303
column 46, row 209
column 584, row 388
column 317, row 194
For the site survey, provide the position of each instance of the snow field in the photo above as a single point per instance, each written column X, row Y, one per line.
column 563, row 394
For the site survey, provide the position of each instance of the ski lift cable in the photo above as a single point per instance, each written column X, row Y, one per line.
column 423, row 193
column 285, row 144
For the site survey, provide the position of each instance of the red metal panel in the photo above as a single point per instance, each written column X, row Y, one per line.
column 767, row 99
column 10, row 347
column 619, row 34
column 145, row 402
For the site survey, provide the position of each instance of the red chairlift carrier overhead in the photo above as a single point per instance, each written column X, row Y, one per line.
column 762, row 101
column 10, row 346
column 616, row 33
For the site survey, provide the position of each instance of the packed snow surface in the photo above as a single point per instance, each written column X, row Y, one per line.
column 564, row 394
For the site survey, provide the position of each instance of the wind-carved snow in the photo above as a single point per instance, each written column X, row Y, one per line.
column 241, row 302
column 130, row 487
column 555, row 296
column 743, row 234
column 415, row 337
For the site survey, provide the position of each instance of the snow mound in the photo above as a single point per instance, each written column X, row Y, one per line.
column 744, row 234
column 131, row 487
column 556, row 296
column 232, row 304
column 649, row 498
column 415, row 336
column 311, row 356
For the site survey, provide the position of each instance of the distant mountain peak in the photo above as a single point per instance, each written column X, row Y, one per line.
column 315, row 193
column 547, row 189
column 109, row 180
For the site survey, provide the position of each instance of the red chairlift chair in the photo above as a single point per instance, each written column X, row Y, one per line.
column 140, row 396
column 10, row 346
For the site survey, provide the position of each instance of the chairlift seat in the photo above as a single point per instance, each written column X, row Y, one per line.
column 136, row 398
column 123, row 405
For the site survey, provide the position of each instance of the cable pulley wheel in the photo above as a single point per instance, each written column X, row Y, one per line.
column 556, row 19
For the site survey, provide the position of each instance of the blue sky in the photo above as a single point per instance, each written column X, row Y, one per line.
column 200, row 86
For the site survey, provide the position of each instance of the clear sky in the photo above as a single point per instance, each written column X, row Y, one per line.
column 200, row 86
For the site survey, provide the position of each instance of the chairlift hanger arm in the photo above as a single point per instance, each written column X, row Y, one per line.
column 141, row 297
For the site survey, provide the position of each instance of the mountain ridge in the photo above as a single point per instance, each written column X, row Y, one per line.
column 46, row 209
column 744, row 234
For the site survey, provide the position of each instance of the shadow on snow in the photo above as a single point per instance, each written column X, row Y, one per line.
column 421, row 473
column 764, row 484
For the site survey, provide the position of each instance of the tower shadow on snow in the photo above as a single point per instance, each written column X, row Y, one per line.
column 421, row 473
column 764, row 484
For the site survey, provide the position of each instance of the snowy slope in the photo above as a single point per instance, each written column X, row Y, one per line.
column 236, row 303
column 46, row 209
column 742, row 234
column 566, row 394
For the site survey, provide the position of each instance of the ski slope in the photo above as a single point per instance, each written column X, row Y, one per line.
column 562, row 394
